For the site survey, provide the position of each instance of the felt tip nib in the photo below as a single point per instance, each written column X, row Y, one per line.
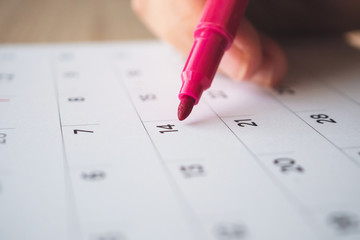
column 186, row 105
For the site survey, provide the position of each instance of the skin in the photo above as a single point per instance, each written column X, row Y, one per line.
column 253, row 56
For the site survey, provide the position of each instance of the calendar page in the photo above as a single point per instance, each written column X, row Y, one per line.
column 91, row 148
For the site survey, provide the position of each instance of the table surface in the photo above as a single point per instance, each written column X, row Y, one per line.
column 29, row 21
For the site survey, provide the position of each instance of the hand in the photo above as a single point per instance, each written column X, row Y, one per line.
column 253, row 56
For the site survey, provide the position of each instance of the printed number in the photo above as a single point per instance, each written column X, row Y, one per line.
column 194, row 170
column 133, row 73
column 76, row 131
column 344, row 222
column 3, row 138
column 217, row 94
column 168, row 127
column 245, row 122
column 76, row 99
column 284, row 90
column 108, row 236
column 147, row 97
column 70, row 74
column 287, row 165
column 7, row 76
column 230, row 231
column 93, row 176
column 322, row 118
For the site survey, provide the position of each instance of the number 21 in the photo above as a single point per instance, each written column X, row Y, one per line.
column 245, row 122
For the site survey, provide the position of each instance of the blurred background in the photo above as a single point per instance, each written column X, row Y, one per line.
column 33, row 21
column 68, row 21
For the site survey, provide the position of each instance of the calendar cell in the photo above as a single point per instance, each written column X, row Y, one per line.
column 354, row 153
column 299, row 174
column 338, row 222
column 335, row 126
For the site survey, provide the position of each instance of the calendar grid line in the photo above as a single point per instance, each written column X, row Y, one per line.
column 312, row 110
column 274, row 153
column 346, row 96
column 290, row 197
column 75, row 125
column 240, row 115
column 256, row 158
column 72, row 208
column 166, row 120
column 328, row 140
column 191, row 216
column 353, row 147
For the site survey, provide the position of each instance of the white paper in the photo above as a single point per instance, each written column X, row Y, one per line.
column 91, row 148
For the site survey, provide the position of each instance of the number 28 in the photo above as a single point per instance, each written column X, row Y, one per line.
column 322, row 118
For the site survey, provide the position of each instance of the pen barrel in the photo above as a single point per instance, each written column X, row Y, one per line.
column 223, row 16
column 203, row 62
column 213, row 36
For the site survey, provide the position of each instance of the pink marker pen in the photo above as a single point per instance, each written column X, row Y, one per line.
column 213, row 36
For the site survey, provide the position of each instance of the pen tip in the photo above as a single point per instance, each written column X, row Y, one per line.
column 186, row 105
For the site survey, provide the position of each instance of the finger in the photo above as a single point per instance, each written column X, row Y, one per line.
column 274, row 63
column 244, row 57
column 254, row 57
column 250, row 57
